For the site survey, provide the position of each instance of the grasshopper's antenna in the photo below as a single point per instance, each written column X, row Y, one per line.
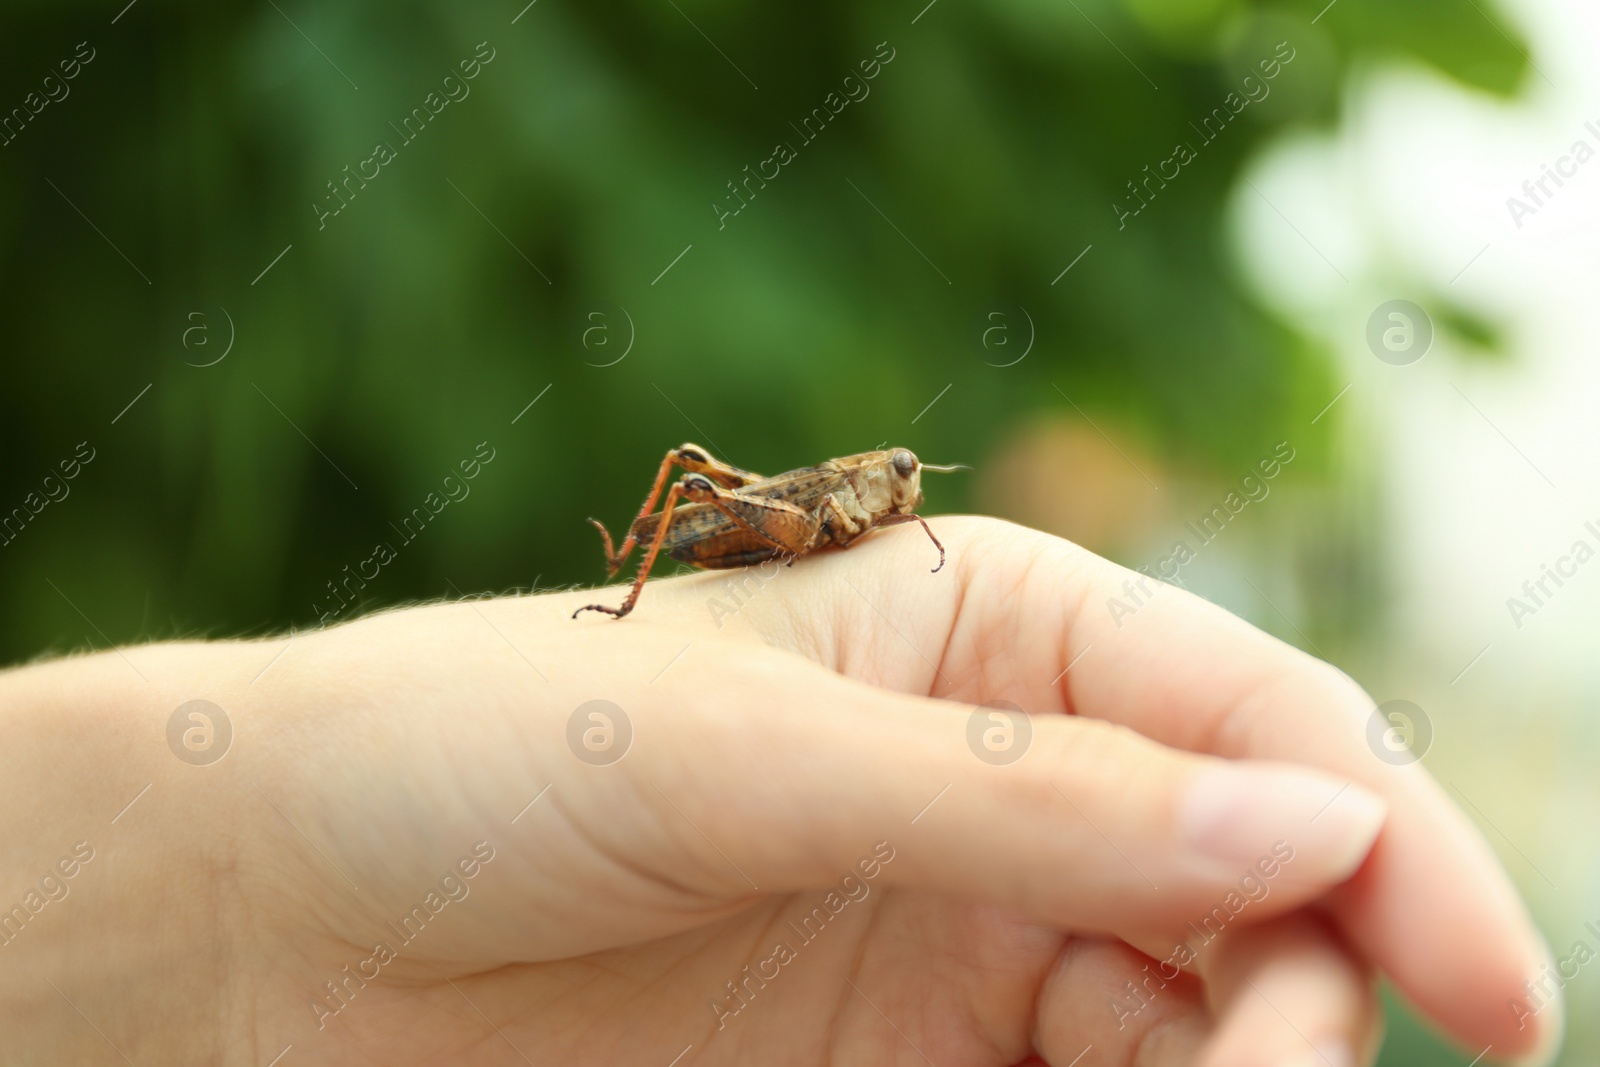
column 945, row 468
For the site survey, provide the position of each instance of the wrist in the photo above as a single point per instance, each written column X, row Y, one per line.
column 117, row 855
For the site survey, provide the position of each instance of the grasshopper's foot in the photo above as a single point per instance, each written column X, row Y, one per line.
column 615, row 613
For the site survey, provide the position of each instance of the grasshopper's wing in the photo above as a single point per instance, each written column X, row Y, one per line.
column 704, row 537
column 805, row 488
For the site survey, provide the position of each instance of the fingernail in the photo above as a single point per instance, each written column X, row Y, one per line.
column 1243, row 813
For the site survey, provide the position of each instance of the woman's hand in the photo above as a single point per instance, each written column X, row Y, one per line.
column 791, row 835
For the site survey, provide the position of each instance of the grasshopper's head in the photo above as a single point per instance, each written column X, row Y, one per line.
column 890, row 482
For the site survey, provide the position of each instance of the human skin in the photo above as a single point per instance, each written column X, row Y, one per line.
column 773, row 750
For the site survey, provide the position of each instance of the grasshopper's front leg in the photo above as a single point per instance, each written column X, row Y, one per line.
column 896, row 520
column 692, row 458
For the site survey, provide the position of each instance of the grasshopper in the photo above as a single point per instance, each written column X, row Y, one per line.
column 736, row 518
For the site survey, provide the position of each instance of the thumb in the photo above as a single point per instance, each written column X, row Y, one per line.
column 1077, row 822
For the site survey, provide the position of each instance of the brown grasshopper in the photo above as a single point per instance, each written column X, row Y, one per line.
column 736, row 518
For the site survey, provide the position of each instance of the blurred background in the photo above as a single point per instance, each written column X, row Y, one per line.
column 273, row 271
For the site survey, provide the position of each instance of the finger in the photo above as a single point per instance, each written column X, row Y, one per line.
column 1187, row 673
column 750, row 771
column 1246, row 695
column 1100, row 997
column 1088, row 826
column 1288, row 992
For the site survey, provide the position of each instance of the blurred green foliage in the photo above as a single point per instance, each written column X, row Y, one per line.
column 455, row 287
column 391, row 338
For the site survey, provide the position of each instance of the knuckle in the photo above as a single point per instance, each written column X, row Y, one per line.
column 1087, row 757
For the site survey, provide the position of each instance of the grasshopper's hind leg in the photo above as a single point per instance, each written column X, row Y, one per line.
column 696, row 460
column 789, row 529
column 613, row 561
column 692, row 458
column 649, row 560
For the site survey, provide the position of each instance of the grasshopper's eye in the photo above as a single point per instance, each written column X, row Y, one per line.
column 905, row 464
